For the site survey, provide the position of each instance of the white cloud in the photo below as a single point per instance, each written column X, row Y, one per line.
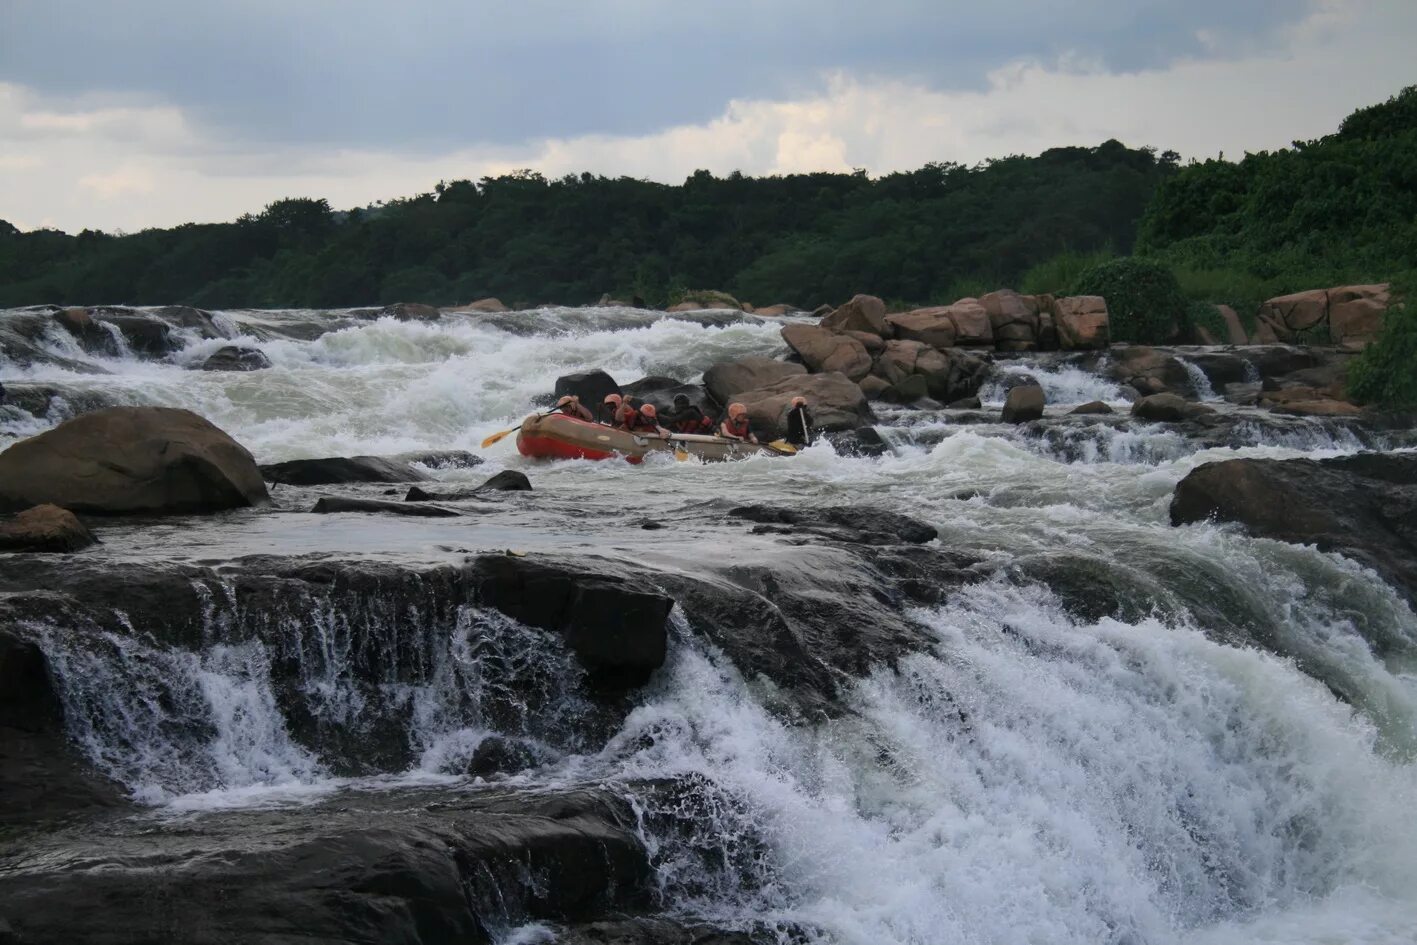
column 134, row 165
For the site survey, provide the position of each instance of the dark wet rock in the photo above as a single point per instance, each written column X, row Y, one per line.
column 328, row 505
column 966, row 403
column 508, row 480
column 1362, row 506
column 649, row 385
column 412, row 312
column 697, row 396
column 402, row 866
column 1148, row 370
column 729, row 378
column 1169, row 408
column 1271, row 361
column 907, row 390
column 146, row 336
column 591, row 387
column 334, row 470
column 865, row 525
column 835, row 402
column 185, row 316
column 236, row 358
column 45, row 528
column 646, row 930
column 1221, row 368
column 617, row 629
column 863, row 313
column 1092, row 407
column 1024, row 404
column 1008, row 382
column 863, row 441
column 498, row 755
column 440, row 459
column 131, row 460
column 50, row 400
column 1246, row 394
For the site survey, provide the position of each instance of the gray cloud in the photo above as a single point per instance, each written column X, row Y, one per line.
column 428, row 74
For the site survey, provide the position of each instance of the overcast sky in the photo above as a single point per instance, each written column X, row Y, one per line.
column 125, row 115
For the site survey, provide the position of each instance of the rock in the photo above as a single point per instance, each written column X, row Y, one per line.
column 1024, row 404
column 1355, row 313
column 707, row 299
column 235, row 358
column 863, row 313
column 592, row 387
column 508, row 480
column 1362, row 506
column 663, row 400
column 1320, row 407
column 489, row 305
column 777, row 310
column 971, row 321
column 835, row 401
column 822, row 311
column 826, row 351
column 439, row 459
column 1234, row 328
column 131, row 460
column 1081, row 322
column 648, row 385
column 929, row 326
column 328, row 505
column 951, row 374
column 863, row 441
column 497, row 754
column 1149, row 371
column 965, row 403
column 1047, row 329
column 45, row 528
column 648, row 930
column 875, row 388
column 412, row 312
column 727, row 379
column 1013, row 318
column 1290, row 314
column 874, row 344
column 908, row 390
column 146, row 337
column 849, row 523
column 618, row 630
column 89, row 333
column 1168, row 408
column 683, row 307
column 334, row 470
column 1092, row 407
column 1220, row 368
column 897, row 360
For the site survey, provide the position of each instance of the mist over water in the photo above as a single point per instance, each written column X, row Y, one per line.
column 1227, row 758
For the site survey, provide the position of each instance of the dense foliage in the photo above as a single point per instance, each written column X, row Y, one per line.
column 933, row 234
column 1386, row 372
column 1144, row 300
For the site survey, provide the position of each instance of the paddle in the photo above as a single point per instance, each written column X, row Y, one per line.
column 782, row 448
column 498, row 437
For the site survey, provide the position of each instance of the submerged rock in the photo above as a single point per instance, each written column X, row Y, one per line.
column 508, row 480
column 45, row 528
column 1092, row 407
column 331, row 504
column 1363, row 506
column 334, row 470
column 1024, row 404
column 236, row 358
column 845, row 523
column 131, row 460
column 1169, row 408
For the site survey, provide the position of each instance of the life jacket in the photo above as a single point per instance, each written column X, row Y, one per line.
column 738, row 428
column 635, row 422
column 692, row 420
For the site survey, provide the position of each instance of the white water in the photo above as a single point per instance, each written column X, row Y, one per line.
column 1032, row 778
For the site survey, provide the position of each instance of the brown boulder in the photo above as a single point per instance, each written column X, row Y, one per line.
column 1355, row 313
column 1023, row 404
column 897, row 360
column 1092, row 407
column 45, row 528
column 1013, row 318
column 131, row 460
column 1147, row 370
column 481, row 305
column 971, row 321
column 1319, row 407
column 727, row 379
column 1234, row 329
column 775, row 311
column 1081, row 322
column 874, row 344
column 951, row 374
column 874, row 387
column 1296, row 312
column 1168, row 408
column 826, row 351
column 835, row 401
column 930, row 326
column 862, row 313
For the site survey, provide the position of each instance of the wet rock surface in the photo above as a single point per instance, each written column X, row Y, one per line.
column 342, row 469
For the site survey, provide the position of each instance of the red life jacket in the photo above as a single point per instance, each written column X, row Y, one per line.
column 637, row 422
column 738, row 428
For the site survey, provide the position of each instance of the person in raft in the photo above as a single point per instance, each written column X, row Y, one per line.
column 643, row 420
column 735, row 426
column 610, row 410
column 687, row 418
column 571, row 407
column 799, row 423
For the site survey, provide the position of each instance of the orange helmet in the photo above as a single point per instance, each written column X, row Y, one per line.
column 648, row 411
column 613, row 399
column 799, row 401
column 736, row 410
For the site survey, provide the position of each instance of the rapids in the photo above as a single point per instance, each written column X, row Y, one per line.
column 1128, row 733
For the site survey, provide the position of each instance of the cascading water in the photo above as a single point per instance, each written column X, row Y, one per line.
column 1225, row 757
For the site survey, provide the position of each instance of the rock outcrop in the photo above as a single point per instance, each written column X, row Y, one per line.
column 1363, row 506
column 835, row 401
column 1081, row 322
column 592, row 387
column 1169, row 408
column 333, row 470
column 489, row 305
column 825, row 351
column 45, row 528
column 131, row 460
column 727, row 379
column 929, row 326
column 862, row 313
column 1023, row 404
column 236, row 358
column 1345, row 315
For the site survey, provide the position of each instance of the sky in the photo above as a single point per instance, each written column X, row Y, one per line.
column 125, row 115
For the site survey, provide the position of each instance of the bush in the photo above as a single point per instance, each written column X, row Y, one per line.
column 1386, row 372
column 1144, row 301
column 1055, row 275
column 1206, row 315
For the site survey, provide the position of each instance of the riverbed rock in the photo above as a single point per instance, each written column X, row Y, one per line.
column 972, row 325
column 131, row 460
column 145, row 335
column 86, row 330
column 874, row 344
column 835, row 401
column 1355, row 313
column 1288, row 315
column 649, row 385
column 863, row 313
column 1362, row 506
column 1235, row 333
column 618, row 630
column 842, row 523
column 1013, row 319
column 439, row 459
column 592, row 387
column 45, row 528
column 333, row 470
column 825, row 351
column 951, row 374
column 1169, row 408
column 508, row 480
column 1148, row 371
column 412, row 312
column 1092, row 407
column 875, row 388
column 1024, row 404
column 727, row 379
column 929, row 326
column 236, row 358
column 489, row 305
column 1081, row 322
column 330, row 505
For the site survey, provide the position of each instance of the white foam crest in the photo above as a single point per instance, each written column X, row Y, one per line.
column 1063, row 384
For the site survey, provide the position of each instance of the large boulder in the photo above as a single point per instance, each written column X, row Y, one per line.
column 835, row 401
column 1234, row 329
column 236, row 358
column 146, row 336
column 951, row 374
column 591, row 387
column 1288, row 315
column 862, row 313
column 1169, row 408
column 729, row 378
column 972, row 325
column 490, row 305
column 1148, row 371
column 1081, row 322
column 131, row 460
column 929, row 326
column 333, row 470
column 412, row 312
column 825, row 351
column 45, row 528
column 700, row 300
column 1024, row 403
column 1355, row 313
column 897, row 360
column 333, row 504
column 1362, row 506
column 1013, row 319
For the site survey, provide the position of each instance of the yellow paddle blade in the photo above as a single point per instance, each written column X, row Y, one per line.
column 782, row 446
column 681, row 454
column 497, row 437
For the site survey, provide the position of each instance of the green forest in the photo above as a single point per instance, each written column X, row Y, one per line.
column 1342, row 208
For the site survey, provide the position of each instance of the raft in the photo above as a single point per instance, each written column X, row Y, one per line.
column 557, row 436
